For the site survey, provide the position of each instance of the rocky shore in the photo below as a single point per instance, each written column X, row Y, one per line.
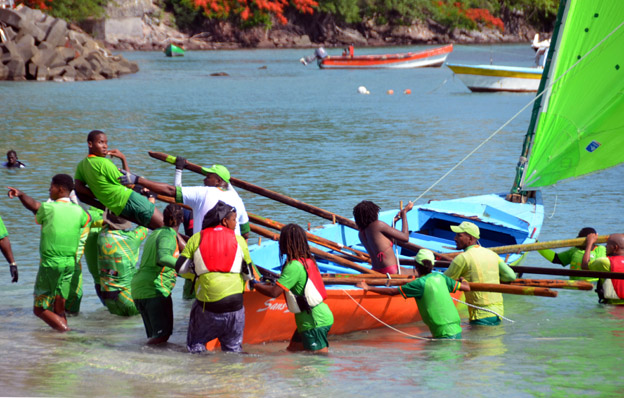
column 35, row 46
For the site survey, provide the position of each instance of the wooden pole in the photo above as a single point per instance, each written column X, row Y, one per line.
column 285, row 199
column 317, row 252
column 553, row 244
column 568, row 272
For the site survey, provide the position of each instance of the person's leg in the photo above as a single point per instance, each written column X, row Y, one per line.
column 51, row 289
column 72, row 304
column 53, row 320
column 315, row 340
column 202, row 328
column 295, row 345
column 159, row 312
column 231, row 336
column 156, row 220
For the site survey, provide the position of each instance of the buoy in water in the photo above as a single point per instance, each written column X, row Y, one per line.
column 363, row 90
column 407, row 91
column 390, row 92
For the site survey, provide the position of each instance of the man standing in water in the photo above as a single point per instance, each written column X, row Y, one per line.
column 5, row 247
column 481, row 265
column 377, row 236
column 61, row 224
column 610, row 291
column 98, row 176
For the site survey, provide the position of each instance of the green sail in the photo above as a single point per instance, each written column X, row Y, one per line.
column 580, row 127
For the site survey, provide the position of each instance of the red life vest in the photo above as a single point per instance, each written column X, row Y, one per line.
column 313, row 292
column 218, row 251
column 617, row 265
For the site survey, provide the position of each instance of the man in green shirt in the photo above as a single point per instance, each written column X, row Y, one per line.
column 118, row 253
column 156, row 277
column 480, row 265
column 431, row 291
column 61, row 224
column 5, row 247
column 98, row 177
column 574, row 255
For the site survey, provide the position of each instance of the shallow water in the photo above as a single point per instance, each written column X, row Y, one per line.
column 306, row 133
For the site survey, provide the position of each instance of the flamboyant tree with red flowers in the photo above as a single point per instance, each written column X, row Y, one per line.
column 247, row 9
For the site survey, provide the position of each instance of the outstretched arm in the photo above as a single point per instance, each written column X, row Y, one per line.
column 268, row 290
column 393, row 233
column 386, row 291
column 28, row 202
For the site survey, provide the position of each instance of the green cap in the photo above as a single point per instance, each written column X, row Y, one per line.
column 424, row 254
column 219, row 170
column 467, row 227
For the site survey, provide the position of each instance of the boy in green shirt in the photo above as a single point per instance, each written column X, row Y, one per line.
column 431, row 291
column 156, row 277
column 98, row 177
column 61, row 224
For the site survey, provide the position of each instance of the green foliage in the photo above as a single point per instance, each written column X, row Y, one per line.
column 343, row 10
column 70, row 10
column 187, row 15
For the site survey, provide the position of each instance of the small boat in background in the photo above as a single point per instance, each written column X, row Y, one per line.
column 490, row 78
column 434, row 57
column 174, row 51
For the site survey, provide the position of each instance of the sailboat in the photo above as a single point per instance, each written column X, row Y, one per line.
column 576, row 128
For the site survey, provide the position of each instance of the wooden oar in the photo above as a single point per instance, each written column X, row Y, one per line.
column 568, row 272
column 317, row 252
column 285, row 199
column 357, row 254
column 476, row 287
column 553, row 244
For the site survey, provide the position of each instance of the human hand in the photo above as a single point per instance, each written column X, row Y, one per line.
column 410, row 206
column 14, row 192
column 362, row 285
column 14, row 274
column 116, row 153
column 180, row 162
column 127, row 178
column 462, row 280
column 252, row 283
column 591, row 239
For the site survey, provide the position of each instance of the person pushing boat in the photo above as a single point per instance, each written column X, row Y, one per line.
column 431, row 291
column 610, row 291
column 99, row 177
column 478, row 264
column 5, row 247
column 377, row 236
column 61, row 224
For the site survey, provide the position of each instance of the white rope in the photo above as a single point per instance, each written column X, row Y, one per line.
column 554, row 207
column 382, row 322
column 520, row 111
column 483, row 309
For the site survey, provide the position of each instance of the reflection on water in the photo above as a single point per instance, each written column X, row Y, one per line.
column 308, row 134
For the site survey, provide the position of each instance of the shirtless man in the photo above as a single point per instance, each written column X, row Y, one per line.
column 377, row 236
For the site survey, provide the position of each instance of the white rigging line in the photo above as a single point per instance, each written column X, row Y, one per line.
column 520, row 111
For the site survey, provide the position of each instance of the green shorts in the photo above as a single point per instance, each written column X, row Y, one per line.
column 313, row 339
column 157, row 314
column 53, row 279
column 490, row 321
column 138, row 209
column 453, row 337
column 72, row 305
column 120, row 302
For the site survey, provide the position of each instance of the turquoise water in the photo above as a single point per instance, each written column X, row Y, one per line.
column 306, row 133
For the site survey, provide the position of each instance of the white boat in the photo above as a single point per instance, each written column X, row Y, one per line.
column 489, row 78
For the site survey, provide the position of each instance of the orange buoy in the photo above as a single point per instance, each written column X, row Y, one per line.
column 390, row 92
column 407, row 91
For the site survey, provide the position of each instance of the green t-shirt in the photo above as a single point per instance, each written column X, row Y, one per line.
column 214, row 286
column 61, row 224
column 293, row 278
column 574, row 257
column 156, row 275
column 478, row 264
column 118, row 253
column 435, row 303
column 100, row 175
column 3, row 231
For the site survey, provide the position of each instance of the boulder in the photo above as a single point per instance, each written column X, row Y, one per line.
column 10, row 17
column 17, row 69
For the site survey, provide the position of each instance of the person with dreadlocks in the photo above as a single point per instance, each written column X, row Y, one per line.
column 301, row 283
column 377, row 236
column 221, row 264
column 431, row 291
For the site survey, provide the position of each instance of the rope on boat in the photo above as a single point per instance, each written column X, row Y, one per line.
column 546, row 89
column 555, row 206
column 482, row 309
column 382, row 322
column 439, row 87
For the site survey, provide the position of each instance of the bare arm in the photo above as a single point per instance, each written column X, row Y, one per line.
column 403, row 235
column 28, row 202
column 268, row 290
column 386, row 291
column 589, row 244
column 158, row 187
column 465, row 286
column 85, row 195
column 117, row 153
column 5, row 246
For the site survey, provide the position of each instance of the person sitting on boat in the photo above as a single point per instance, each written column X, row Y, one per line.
column 319, row 54
column 480, row 265
column 5, row 247
column 610, row 291
column 12, row 161
column 61, row 224
column 98, row 177
column 574, row 255
column 118, row 244
column 431, row 291
column 303, row 287
column 151, row 286
column 220, row 261
column 377, row 236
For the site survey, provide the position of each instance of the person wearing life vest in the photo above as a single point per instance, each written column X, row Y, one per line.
column 610, row 291
column 218, row 261
column 303, row 287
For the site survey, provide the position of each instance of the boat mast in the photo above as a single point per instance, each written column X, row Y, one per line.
column 517, row 195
